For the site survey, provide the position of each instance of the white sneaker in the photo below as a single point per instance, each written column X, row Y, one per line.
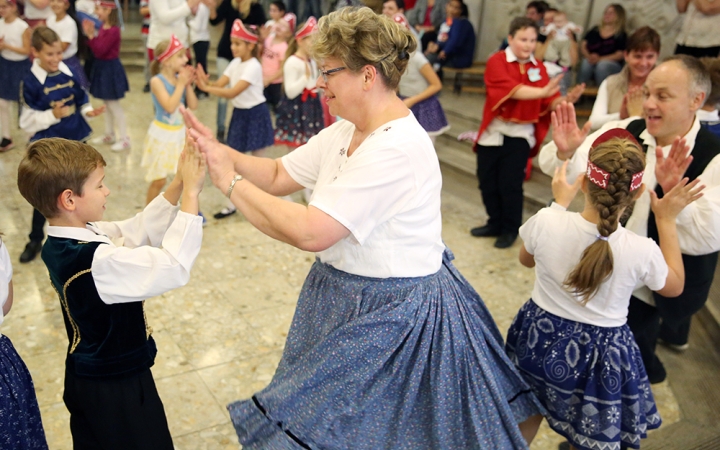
column 121, row 145
column 106, row 139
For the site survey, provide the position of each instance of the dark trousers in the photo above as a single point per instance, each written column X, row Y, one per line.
column 200, row 48
column 501, row 171
column 698, row 52
column 668, row 320
column 37, row 234
column 116, row 414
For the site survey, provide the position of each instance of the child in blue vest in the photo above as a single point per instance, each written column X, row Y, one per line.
column 54, row 104
column 103, row 272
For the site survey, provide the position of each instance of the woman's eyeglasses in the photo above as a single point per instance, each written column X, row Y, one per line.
column 325, row 73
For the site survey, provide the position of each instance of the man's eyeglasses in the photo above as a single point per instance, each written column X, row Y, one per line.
column 325, row 73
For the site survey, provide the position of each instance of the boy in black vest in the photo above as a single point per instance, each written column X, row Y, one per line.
column 103, row 272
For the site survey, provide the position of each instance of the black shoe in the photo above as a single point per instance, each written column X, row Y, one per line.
column 658, row 373
column 146, row 88
column 564, row 445
column 485, row 231
column 505, row 240
column 31, row 250
column 6, row 145
column 220, row 136
column 225, row 212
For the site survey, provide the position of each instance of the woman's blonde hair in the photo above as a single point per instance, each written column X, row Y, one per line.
column 621, row 18
column 155, row 64
column 621, row 158
column 359, row 37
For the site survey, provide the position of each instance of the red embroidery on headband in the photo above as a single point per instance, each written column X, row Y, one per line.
column 106, row 4
column 291, row 19
column 307, row 29
column 636, row 180
column 240, row 32
column 597, row 175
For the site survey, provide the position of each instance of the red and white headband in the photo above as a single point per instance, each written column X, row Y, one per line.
column 106, row 4
column 291, row 19
column 173, row 47
column 240, row 32
column 599, row 176
column 307, row 29
column 401, row 19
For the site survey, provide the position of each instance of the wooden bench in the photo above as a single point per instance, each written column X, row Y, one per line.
column 462, row 77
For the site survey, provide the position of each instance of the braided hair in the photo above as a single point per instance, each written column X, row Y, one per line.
column 621, row 159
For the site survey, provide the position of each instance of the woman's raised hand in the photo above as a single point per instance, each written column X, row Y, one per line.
column 217, row 156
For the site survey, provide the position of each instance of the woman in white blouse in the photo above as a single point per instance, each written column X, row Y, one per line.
column 390, row 347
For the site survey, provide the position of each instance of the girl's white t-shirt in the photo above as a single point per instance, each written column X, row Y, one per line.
column 66, row 29
column 12, row 34
column 413, row 82
column 6, row 273
column 387, row 194
column 558, row 238
column 250, row 71
column 34, row 13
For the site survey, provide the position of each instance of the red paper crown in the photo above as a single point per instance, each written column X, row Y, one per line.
column 401, row 19
column 106, row 4
column 173, row 47
column 291, row 19
column 599, row 176
column 239, row 31
column 309, row 28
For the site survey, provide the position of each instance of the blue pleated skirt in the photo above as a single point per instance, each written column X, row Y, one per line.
column 298, row 121
column 11, row 75
column 20, row 423
column 250, row 129
column 108, row 80
column 399, row 363
column 590, row 379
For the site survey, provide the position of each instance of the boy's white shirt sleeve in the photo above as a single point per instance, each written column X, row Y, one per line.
column 32, row 121
column 600, row 115
column 147, row 227
column 699, row 222
column 124, row 274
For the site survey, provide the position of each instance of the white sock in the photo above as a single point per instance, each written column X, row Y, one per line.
column 118, row 118
column 109, row 122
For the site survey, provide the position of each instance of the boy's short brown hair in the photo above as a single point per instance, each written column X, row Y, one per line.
column 520, row 23
column 43, row 35
column 53, row 165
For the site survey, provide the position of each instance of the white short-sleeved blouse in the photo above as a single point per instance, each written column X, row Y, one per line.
column 387, row 194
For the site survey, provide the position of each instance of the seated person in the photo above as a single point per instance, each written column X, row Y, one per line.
column 547, row 20
column 708, row 114
column 620, row 95
column 560, row 51
column 603, row 46
column 426, row 18
column 535, row 11
column 457, row 48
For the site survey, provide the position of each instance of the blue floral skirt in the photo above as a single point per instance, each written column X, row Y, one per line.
column 398, row 363
column 250, row 129
column 590, row 379
column 20, row 423
column 11, row 75
column 430, row 116
column 298, row 121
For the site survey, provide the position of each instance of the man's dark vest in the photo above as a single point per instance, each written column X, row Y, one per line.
column 699, row 270
column 105, row 341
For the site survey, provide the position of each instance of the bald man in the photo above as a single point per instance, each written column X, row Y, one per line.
column 674, row 92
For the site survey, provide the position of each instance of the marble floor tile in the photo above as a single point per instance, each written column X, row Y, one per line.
column 56, row 421
column 221, row 437
column 189, row 404
column 48, row 372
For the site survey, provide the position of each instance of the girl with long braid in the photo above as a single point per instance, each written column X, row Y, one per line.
column 571, row 340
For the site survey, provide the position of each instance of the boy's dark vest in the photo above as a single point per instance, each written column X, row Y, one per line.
column 699, row 270
column 106, row 341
